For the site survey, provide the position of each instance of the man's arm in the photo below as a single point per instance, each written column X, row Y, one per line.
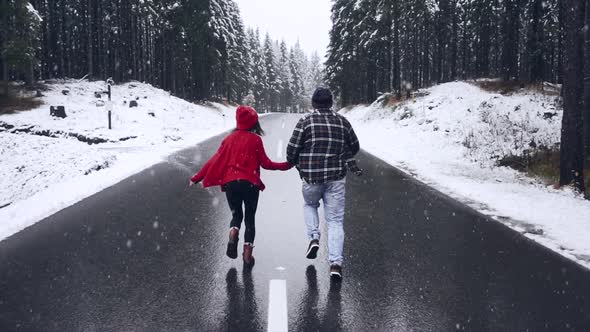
column 203, row 172
column 296, row 143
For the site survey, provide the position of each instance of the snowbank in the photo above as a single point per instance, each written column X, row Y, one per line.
column 47, row 163
column 452, row 139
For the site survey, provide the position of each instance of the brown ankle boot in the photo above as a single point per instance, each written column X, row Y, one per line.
column 248, row 258
column 232, row 244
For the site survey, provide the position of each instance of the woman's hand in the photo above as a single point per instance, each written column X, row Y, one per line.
column 191, row 183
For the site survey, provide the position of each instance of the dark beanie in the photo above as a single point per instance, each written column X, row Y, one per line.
column 322, row 99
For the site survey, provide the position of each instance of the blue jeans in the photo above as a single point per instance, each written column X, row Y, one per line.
column 333, row 194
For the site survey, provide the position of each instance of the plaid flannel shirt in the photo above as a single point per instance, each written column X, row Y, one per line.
column 321, row 143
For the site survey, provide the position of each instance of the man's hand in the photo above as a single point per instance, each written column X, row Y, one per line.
column 191, row 183
column 357, row 171
column 353, row 167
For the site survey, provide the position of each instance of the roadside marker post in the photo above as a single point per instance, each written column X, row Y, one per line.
column 109, row 105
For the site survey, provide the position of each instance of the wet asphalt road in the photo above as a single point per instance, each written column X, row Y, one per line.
column 148, row 255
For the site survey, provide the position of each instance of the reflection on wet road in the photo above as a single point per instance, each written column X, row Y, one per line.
column 148, row 255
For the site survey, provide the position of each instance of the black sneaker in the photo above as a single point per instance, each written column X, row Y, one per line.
column 336, row 272
column 312, row 249
column 232, row 244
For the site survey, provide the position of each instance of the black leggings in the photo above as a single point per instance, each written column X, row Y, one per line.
column 238, row 193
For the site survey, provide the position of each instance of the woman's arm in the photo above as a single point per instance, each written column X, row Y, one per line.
column 203, row 172
column 266, row 163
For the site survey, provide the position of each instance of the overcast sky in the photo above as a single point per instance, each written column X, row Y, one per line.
column 308, row 20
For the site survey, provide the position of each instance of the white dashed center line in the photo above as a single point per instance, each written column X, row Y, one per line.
column 280, row 149
column 277, row 306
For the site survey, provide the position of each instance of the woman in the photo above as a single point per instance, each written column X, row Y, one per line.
column 236, row 168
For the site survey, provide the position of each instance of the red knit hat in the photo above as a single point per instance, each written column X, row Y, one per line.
column 246, row 117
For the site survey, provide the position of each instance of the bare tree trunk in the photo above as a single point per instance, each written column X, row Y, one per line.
column 4, row 39
column 535, row 43
column 587, row 80
column 396, row 49
column 464, row 48
column 89, row 41
column 561, row 17
column 30, row 74
column 572, row 130
column 389, row 48
column 100, row 41
column 455, row 42
column 510, row 31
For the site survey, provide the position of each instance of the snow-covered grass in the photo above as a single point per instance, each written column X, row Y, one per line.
column 453, row 138
column 47, row 165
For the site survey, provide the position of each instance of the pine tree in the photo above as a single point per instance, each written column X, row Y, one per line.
column 314, row 77
column 284, row 78
column 4, row 11
column 443, row 18
column 22, row 40
column 258, row 70
column 572, row 132
column 535, row 41
column 298, row 66
column 510, row 36
column 484, row 13
column 237, row 78
column 343, row 70
column 587, row 79
column 271, row 85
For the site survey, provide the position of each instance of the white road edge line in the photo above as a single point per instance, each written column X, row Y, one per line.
column 277, row 306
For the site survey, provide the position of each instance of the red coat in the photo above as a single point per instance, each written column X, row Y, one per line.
column 239, row 158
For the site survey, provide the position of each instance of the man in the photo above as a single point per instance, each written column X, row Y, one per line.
column 321, row 144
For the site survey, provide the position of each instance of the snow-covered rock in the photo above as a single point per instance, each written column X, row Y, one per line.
column 452, row 139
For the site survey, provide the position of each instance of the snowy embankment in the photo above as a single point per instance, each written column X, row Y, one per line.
column 47, row 163
column 452, row 139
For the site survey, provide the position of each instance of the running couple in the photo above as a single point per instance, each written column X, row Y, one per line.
column 322, row 147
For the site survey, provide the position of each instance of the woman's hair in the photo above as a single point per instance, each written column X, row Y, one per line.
column 257, row 129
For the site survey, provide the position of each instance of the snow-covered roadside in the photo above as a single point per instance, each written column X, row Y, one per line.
column 451, row 140
column 41, row 175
